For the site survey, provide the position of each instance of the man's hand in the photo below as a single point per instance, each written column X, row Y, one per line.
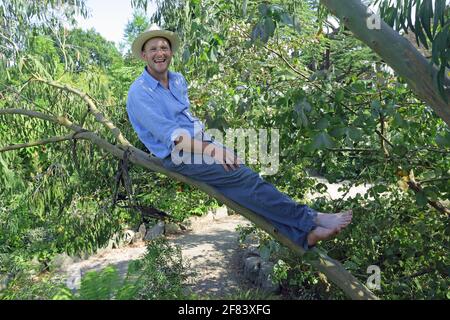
column 221, row 155
column 228, row 159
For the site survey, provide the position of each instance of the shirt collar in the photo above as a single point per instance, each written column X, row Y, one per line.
column 152, row 81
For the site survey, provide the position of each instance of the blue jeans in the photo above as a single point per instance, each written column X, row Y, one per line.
column 249, row 189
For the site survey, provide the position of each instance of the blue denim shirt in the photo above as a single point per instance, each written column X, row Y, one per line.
column 159, row 115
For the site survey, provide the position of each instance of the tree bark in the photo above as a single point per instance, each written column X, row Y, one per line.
column 396, row 51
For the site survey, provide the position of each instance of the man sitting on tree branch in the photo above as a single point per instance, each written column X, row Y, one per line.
column 158, row 108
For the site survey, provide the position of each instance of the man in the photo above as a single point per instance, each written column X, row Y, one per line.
column 158, row 108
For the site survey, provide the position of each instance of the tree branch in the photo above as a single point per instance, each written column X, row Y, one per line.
column 42, row 142
column 416, row 187
column 351, row 150
column 92, row 109
column 396, row 51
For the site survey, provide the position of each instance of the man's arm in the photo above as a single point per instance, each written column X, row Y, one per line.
column 222, row 155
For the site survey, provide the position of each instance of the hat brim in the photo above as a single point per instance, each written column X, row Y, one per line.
column 136, row 47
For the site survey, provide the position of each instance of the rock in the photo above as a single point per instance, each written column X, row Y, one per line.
column 61, row 261
column 4, row 281
column 172, row 228
column 138, row 237
column 118, row 241
column 142, row 229
column 35, row 264
column 110, row 244
column 140, row 234
column 220, row 213
column 251, row 251
column 265, row 279
column 73, row 282
column 128, row 237
column 155, row 231
column 252, row 265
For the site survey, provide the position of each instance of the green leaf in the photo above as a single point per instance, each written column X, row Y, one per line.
column 269, row 27
column 339, row 96
column 290, row 21
column 443, row 141
column 286, row 19
column 322, row 141
column 398, row 121
column 212, row 56
column 321, row 187
column 258, row 33
column 428, row 175
column 301, row 107
column 419, row 32
column 263, row 9
column 338, row 132
column 421, row 198
column 322, row 124
column 186, row 55
column 400, row 150
column 355, row 134
column 376, row 108
column 431, row 193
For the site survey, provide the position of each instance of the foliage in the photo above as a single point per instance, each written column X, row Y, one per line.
column 430, row 25
column 160, row 274
column 249, row 64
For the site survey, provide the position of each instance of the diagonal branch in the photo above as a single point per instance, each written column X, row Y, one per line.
column 43, row 142
column 416, row 187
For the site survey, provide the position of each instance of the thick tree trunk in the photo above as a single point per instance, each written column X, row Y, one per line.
column 396, row 51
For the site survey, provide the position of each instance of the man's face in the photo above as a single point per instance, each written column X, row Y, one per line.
column 158, row 55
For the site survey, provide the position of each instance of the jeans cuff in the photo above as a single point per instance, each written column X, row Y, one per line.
column 310, row 226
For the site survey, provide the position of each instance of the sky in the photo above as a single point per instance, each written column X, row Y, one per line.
column 109, row 17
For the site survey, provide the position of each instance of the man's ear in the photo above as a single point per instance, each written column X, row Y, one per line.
column 142, row 54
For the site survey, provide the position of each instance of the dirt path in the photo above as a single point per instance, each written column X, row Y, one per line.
column 209, row 245
column 119, row 258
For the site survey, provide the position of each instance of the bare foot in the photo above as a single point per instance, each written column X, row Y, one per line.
column 334, row 220
column 321, row 233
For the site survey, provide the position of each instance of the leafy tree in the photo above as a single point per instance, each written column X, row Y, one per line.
column 91, row 49
column 251, row 64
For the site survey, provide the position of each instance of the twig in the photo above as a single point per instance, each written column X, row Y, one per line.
column 92, row 109
column 416, row 187
column 41, row 142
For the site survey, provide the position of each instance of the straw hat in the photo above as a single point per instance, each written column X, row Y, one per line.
column 153, row 32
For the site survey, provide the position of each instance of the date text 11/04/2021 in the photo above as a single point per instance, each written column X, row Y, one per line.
column 232, row 309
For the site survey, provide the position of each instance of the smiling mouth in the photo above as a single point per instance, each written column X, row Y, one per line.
column 159, row 61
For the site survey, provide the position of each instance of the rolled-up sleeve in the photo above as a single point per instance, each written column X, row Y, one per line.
column 147, row 118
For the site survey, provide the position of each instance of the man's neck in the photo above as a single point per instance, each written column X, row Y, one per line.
column 163, row 78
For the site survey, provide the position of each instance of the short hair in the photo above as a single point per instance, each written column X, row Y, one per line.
column 170, row 44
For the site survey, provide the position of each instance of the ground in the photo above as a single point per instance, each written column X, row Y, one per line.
column 210, row 246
